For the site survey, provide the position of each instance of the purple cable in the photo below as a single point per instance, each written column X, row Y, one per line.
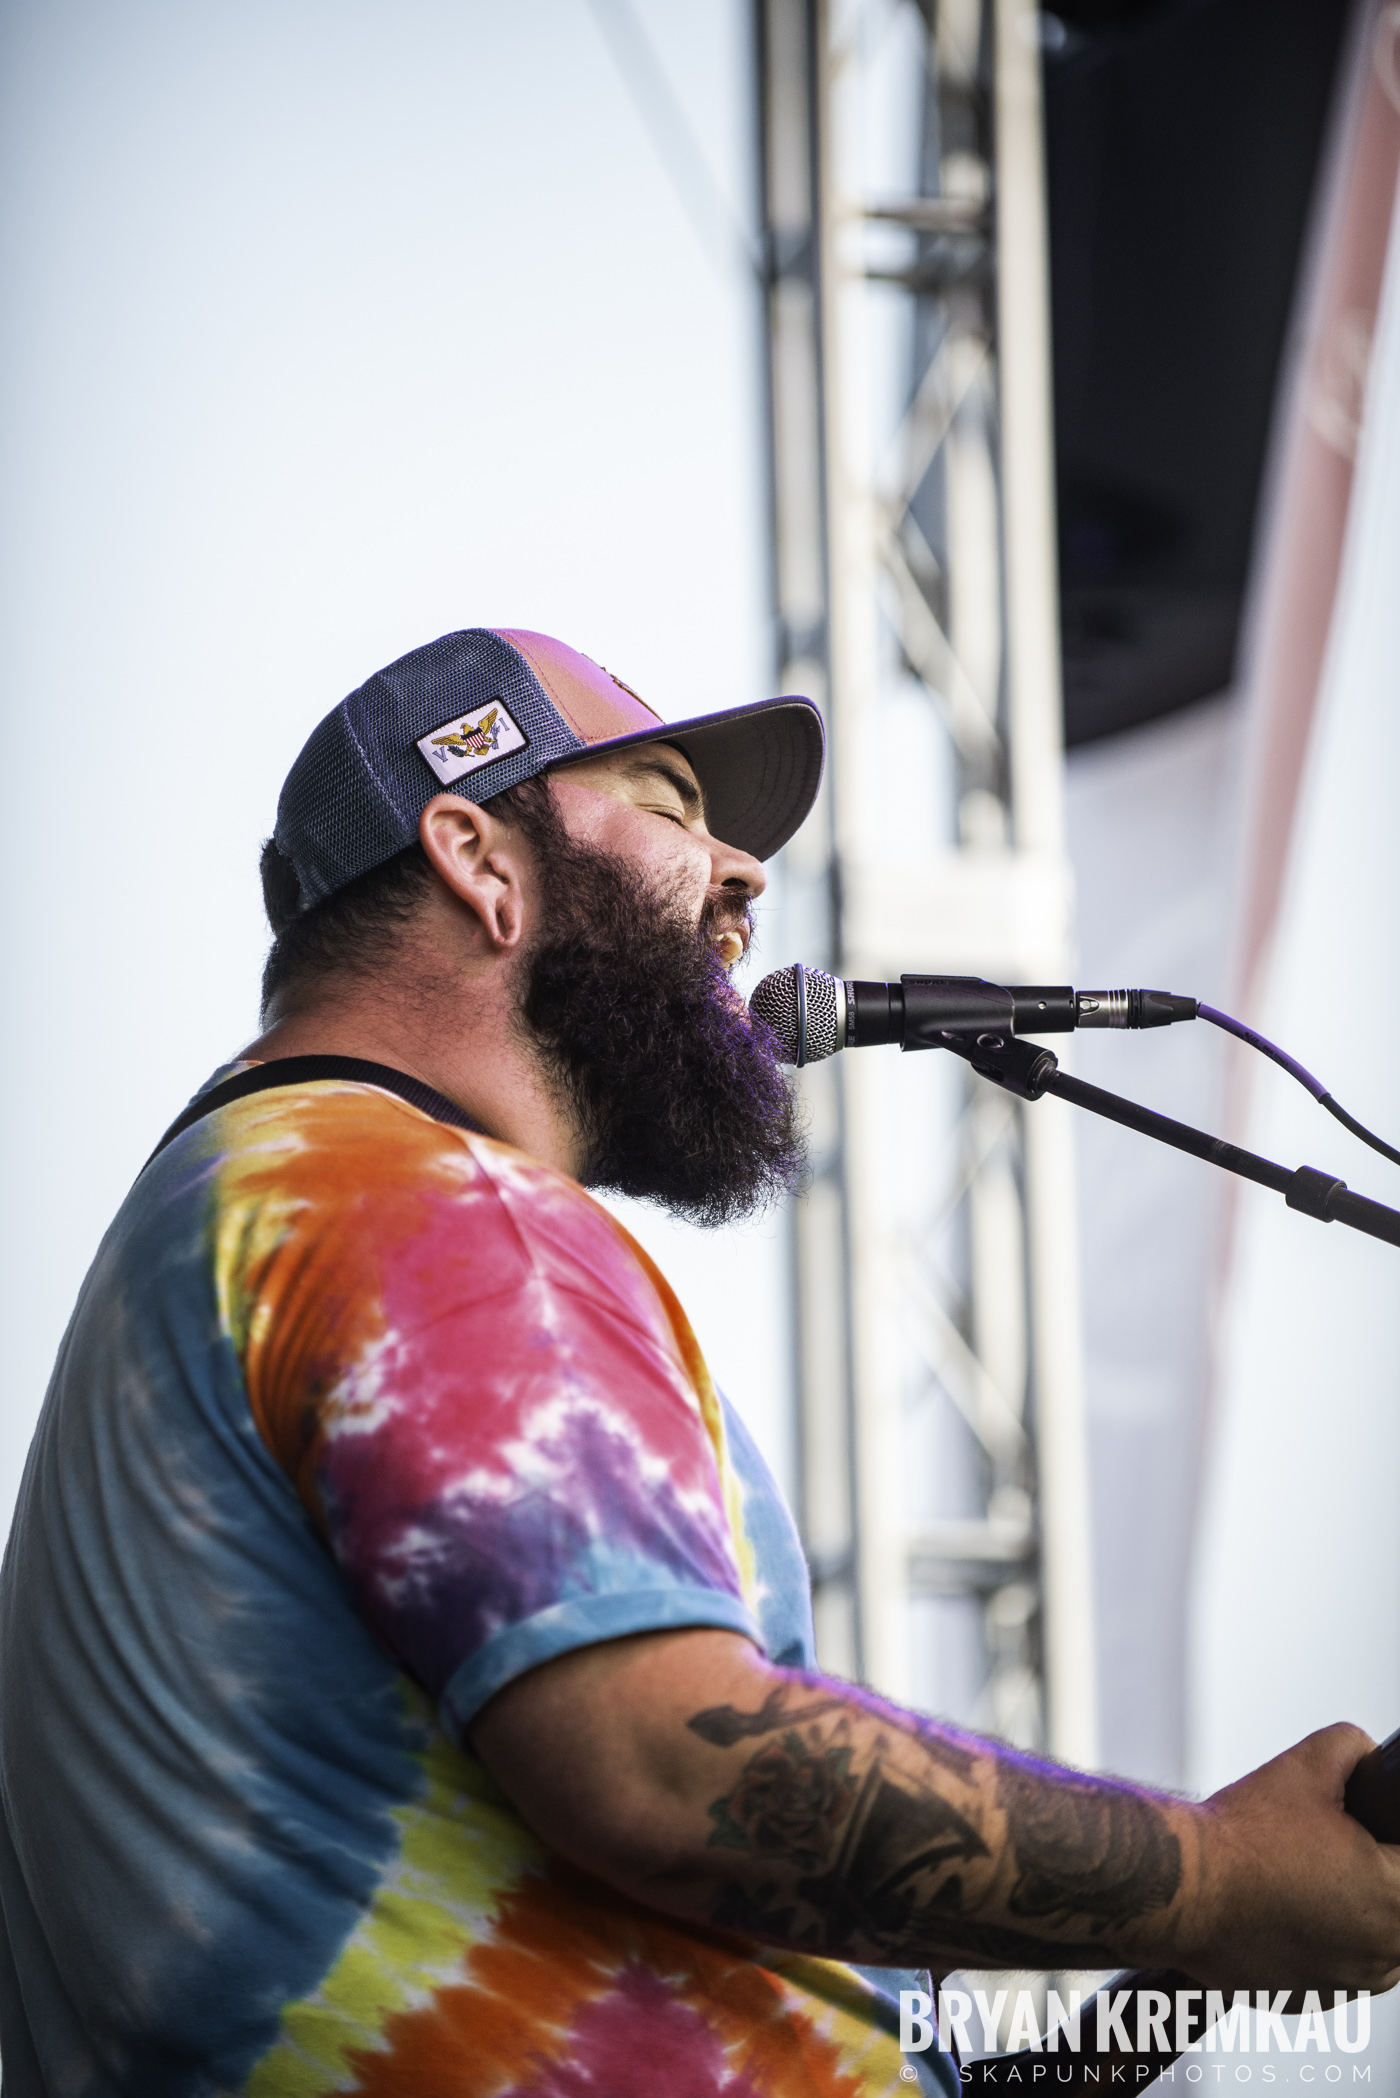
column 1259, row 1041
column 1295, row 1070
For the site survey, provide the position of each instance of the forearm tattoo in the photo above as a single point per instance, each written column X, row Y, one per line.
column 872, row 1825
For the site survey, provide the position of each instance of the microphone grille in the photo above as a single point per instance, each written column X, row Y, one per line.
column 776, row 1002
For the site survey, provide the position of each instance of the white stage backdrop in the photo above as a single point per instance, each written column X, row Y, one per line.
column 1298, row 1595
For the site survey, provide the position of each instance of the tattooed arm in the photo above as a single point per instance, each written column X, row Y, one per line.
column 800, row 1811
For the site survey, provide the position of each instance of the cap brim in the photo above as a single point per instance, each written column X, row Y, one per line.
column 759, row 767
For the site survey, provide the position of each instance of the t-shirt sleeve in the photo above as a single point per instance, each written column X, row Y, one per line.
column 480, row 1396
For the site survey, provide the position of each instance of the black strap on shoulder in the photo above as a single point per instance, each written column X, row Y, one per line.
column 304, row 1070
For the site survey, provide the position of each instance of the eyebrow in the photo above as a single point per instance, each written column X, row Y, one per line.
column 692, row 800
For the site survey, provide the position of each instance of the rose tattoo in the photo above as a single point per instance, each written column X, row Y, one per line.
column 790, row 1802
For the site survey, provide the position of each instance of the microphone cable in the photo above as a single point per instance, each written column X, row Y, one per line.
column 1304, row 1077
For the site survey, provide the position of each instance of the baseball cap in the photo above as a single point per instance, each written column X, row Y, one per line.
column 476, row 712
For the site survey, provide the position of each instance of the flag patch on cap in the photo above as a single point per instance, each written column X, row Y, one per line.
column 470, row 741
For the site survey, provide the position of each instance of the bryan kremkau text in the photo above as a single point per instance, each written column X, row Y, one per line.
column 1134, row 2021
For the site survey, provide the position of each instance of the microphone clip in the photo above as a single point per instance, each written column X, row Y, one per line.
column 1021, row 1068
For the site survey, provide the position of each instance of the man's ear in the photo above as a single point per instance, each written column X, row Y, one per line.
column 482, row 861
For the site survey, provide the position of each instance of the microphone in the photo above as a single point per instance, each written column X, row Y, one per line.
column 814, row 1014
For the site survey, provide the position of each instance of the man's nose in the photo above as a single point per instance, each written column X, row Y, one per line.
column 730, row 868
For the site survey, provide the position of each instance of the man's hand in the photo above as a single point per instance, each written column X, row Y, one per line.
column 1294, row 1893
column 686, row 1771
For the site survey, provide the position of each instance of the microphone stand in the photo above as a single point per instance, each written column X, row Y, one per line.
column 1373, row 1791
column 1030, row 1072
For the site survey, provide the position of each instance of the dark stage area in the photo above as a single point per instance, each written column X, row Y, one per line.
column 1183, row 144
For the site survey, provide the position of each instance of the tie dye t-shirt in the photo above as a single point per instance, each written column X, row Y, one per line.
column 358, row 1418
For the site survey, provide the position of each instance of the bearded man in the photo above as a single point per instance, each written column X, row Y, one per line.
column 408, row 1684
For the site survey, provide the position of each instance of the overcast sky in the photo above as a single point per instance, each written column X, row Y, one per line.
column 331, row 327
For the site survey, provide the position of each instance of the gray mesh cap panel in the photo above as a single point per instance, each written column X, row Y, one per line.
column 354, row 796
column 332, row 821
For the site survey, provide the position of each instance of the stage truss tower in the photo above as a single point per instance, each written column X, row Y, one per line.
column 944, row 1492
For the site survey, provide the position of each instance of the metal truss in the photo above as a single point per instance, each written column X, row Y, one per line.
column 944, row 1497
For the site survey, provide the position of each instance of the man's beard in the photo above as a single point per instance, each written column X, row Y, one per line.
column 675, row 1091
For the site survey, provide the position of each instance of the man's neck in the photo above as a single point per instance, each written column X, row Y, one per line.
column 481, row 1064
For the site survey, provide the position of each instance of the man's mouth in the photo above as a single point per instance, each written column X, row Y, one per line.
column 728, row 926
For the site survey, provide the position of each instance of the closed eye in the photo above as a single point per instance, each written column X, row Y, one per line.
column 681, row 785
